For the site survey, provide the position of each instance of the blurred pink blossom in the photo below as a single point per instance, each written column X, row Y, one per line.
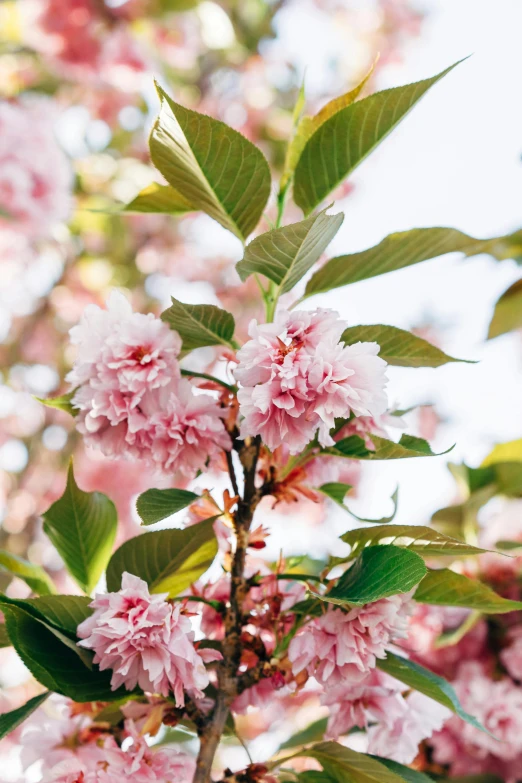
column 35, row 175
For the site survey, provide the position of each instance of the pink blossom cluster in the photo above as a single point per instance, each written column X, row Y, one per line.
column 137, row 762
column 395, row 723
column 297, row 377
column 497, row 705
column 35, row 175
column 146, row 642
column 132, row 400
column 341, row 648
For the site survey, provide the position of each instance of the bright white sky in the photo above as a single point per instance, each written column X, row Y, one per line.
column 455, row 161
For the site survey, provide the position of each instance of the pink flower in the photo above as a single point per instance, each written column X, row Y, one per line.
column 142, row 764
column 145, row 641
column 497, row 705
column 297, row 378
column 35, row 175
column 398, row 737
column 511, row 656
column 131, row 398
column 341, row 648
column 377, row 699
column 69, row 771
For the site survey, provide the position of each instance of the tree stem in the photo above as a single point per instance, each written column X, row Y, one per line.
column 227, row 671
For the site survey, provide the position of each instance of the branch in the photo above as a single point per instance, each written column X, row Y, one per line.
column 227, row 671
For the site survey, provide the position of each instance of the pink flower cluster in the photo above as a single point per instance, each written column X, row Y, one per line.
column 146, row 641
column 297, row 377
column 132, row 400
column 341, row 648
column 35, row 175
column 395, row 724
column 137, row 762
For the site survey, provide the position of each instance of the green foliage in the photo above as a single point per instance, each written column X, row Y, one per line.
column 418, row 538
column 508, row 312
column 33, row 575
column 346, row 138
column 284, row 255
column 306, row 126
column 408, row 446
column 63, row 403
column 82, row 527
column 407, row 774
column 313, row 733
column 9, row 721
column 64, row 612
column 405, row 248
column 168, row 560
column 159, row 198
column 421, row 679
column 53, row 658
column 337, row 492
column 379, row 572
column 343, row 764
column 157, row 504
column 4, row 637
column 200, row 325
column 213, row 166
column 399, row 347
column 446, row 588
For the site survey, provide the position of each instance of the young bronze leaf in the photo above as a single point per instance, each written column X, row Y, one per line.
column 212, row 166
column 285, row 255
column 399, row 347
column 405, row 248
column 341, row 143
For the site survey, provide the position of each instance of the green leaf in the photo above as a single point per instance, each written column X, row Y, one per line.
column 408, row 446
column 313, row 733
column 344, row 764
column 168, row 560
column 82, row 527
column 428, row 683
column 157, row 504
column 405, row 248
column 64, row 612
column 406, row 773
column 379, row 572
column 33, row 575
column 474, row 779
column 9, row 721
column 284, row 255
column 511, row 451
column 63, row 403
column 159, row 198
column 417, row 538
column 53, row 662
column 507, row 315
column 446, row 588
column 213, row 166
column 307, row 126
column 513, row 547
column 200, row 325
column 337, row 492
column 398, row 347
column 341, row 143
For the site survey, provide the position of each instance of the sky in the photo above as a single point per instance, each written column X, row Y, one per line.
column 454, row 161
